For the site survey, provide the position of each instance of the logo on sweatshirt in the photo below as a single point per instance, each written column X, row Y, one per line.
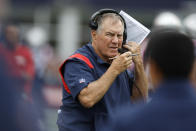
column 82, row 80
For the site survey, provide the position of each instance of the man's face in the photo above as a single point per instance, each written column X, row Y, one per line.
column 12, row 34
column 108, row 38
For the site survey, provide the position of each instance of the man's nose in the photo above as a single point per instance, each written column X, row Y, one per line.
column 115, row 39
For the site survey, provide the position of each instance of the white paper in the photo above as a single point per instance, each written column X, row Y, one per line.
column 135, row 30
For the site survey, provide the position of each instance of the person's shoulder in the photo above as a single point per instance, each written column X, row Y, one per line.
column 23, row 46
column 136, row 111
column 85, row 50
column 123, row 118
column 24, row 49
column 126, row 112
column 80, row 58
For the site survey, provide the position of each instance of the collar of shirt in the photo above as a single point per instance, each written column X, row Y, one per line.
column 98, row 59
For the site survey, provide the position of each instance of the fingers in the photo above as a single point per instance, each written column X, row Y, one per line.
column 128, row 58
column 128, row 63
column 132, row 46
column 122, row 62
column 124, row 59
column 128, row 47
column 127, row 54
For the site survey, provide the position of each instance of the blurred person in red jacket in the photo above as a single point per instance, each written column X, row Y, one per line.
column 19, row 59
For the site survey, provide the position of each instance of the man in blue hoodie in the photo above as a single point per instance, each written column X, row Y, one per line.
column 173, row 105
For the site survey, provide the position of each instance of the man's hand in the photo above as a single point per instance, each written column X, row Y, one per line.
column 141, row 82
column 134, row 48
column 122, row 62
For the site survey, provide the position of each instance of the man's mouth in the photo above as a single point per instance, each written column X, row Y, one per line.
column 114, row 48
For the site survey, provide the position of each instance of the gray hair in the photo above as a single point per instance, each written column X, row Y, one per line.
column 113, row 16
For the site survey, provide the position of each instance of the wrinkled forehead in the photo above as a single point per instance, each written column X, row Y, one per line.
column 109, row 16
column 112, row 24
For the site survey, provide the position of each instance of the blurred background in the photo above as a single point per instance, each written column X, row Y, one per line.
column 36, row 36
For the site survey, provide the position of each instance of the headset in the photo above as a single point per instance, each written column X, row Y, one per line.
column 97, row 15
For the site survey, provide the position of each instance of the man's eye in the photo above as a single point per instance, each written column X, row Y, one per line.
column 109, row 34
column 119, row 36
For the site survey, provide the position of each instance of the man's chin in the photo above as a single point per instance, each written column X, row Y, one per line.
column 112, row 56
column 114, row 53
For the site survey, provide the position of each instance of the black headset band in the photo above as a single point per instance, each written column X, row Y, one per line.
column 101, row 12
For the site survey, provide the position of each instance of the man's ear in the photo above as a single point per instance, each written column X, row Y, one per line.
column 93, row 34
column 155, row 73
